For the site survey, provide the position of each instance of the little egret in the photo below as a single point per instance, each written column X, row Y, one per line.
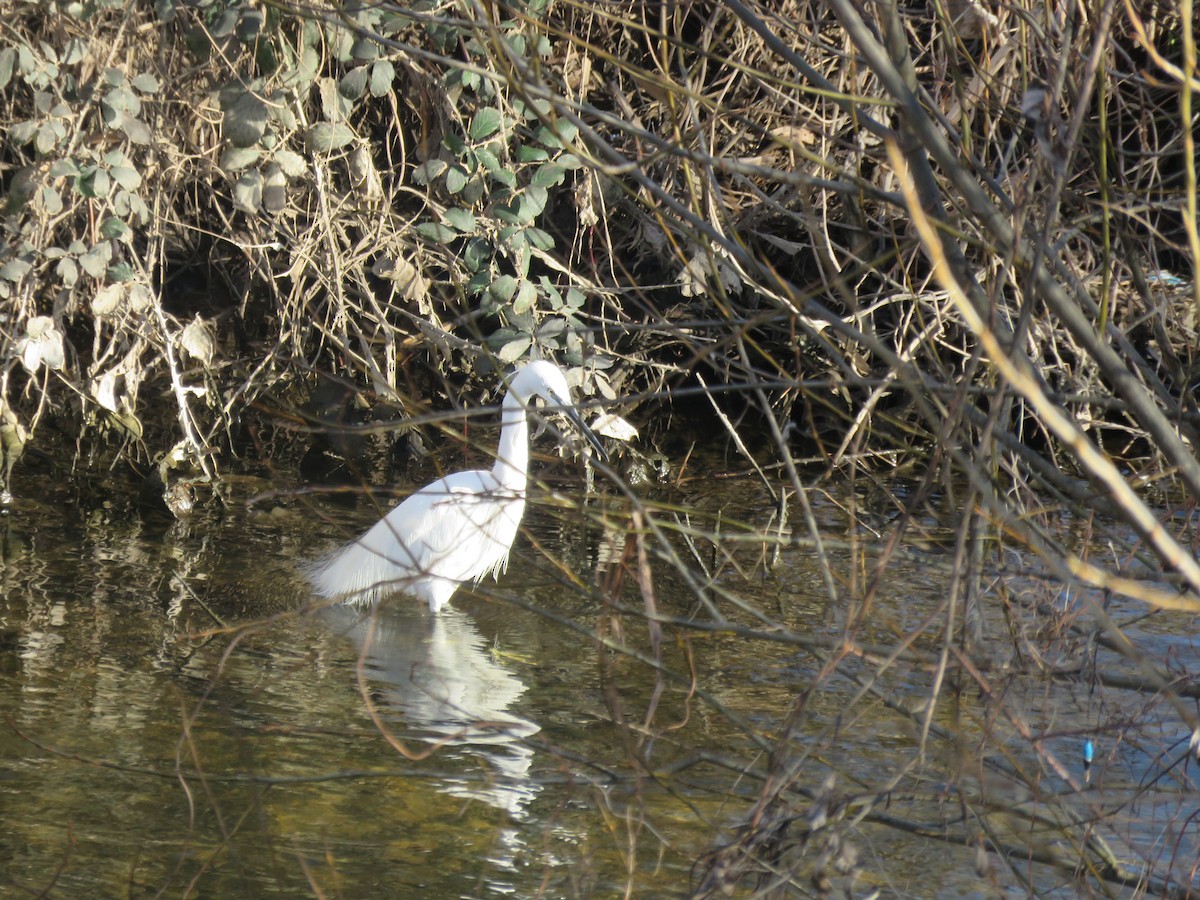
column 459, row 528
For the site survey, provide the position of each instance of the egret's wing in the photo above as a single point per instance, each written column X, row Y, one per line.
column 457, row 529
column 447, row 527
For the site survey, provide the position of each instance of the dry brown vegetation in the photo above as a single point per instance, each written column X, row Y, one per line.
column 956, row 240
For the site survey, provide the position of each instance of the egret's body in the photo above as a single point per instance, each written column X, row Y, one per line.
column 457, row 529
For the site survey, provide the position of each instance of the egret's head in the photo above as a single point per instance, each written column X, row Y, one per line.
column 541, row 379
column 546, row 380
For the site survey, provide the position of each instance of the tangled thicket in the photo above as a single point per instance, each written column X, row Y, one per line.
column 957, row 237
column 215, row 199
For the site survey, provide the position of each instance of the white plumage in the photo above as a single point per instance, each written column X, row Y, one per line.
column 457, row 529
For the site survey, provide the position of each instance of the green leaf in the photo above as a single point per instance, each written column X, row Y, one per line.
column 249, row 26
column 146, row 83
column 95, row 261
column 8, row 58
column 126, row 177
column 469, row 161
column 46, row 139
column 437, row 232
column 489, row 160
column 121, row 99
column 567, row 131
column 526, row 297
column 235, row 159
column 335, row 106
column 67, row 271
column 280, row 111
column 292, row 163
column 557, row 135
column 506, row 177
column 517, row 43
column 528, row 153
column 460, row 219
column 247, row 193
column 245, row 119
column 429, row 170
column 135, row 129
column 22, row 132
column 485, row 123
column 503, row 288
column 514, row 350
column 551, row 328
column 64, row 168
column 138, row 207
column 573, row 355
column 15, row 269
column 224, row 24
column 364, row 50
column 121, row 272
column 301, row 77
column 340, row 41
column 75, row 52
column 548, row 175
column 354, row 83
column 95, row 184
column 473, row 192
column 502, row 336
column 274, row 188
column 479, row 282
column 507, row 212
column 383, row 74
column 477, row 253
column 326, row 137
column 551, row 292
column 539, row 239
column 115, row 157
column 456, row 179
column 120, row 203
column 532, row 203
column 113, row 228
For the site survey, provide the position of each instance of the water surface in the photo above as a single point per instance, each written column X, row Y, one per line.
column 172, row 725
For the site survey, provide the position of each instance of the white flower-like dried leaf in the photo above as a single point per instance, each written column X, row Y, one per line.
column 970, row 19
column 42, row 345
column 140, row 297
column 197, row 341
column 696, row 278
column 407, row 277
column 108, row 299
column 104, row 389
column 613, row 426
column 38, row 326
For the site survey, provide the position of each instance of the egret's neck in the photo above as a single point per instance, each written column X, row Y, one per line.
column 512, row 457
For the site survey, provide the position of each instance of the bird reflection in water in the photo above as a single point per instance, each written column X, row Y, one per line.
column 437, row 674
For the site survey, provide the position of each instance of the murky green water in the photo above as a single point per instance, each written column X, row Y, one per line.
column 500, row 750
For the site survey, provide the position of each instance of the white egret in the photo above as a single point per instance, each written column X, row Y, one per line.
column 459, row 528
